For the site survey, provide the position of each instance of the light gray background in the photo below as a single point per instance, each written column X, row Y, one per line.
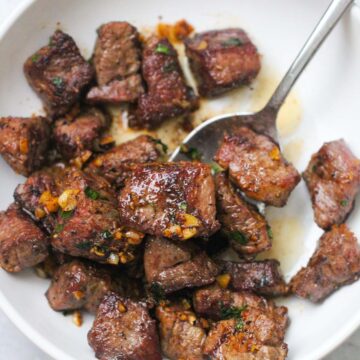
column 15, row 346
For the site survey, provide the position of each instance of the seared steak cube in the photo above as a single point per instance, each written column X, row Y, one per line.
column 333, row 180
column 24, row 142
column 181, row 333
column 167, row 94
column 88, row 223
column 246, row 229
column 123, row 329
column 261, row 277
column 22, row 243
column 78, row 285
column 117, row 91
column 335, row 263
column 74, row 136
column 222, row 60
column 114, row 165
column 175, row 200
column 174, row 266
column 58, row 73
column 257, row 167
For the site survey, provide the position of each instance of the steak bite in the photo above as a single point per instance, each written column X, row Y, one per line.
column 22, row 243
column 181, row 333
column 246, row 229
column 24, row 142
column 114, row 165
column 222, row 60
column 167, row 94
column 78, row 285
column 257, row 167
column 123, row 329
column 174, row 265
column 333, row 180
column 261, row 277
column 88, row 223
column 75, row 136
column 175, row 200
column 58, row 73
column 335, row 263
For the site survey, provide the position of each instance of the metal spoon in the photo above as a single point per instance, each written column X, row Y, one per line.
column 207, row 136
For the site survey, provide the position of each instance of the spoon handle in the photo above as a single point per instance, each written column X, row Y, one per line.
column 331, row 16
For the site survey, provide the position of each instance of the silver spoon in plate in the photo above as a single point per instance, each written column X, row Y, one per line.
column 206, row 137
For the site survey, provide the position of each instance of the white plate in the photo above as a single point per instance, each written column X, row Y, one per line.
column 328, row 92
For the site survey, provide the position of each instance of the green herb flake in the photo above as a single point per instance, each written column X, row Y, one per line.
column 106, row 235
column 163, row 146
column 238, row 237
column 344, row 202
column 269, row 232
column 239, row 325
column 314, row 168
column 162, row 49
column 183, row 205
column 58, row 228
column 91, row 193
column 233, row 312
column 191, row 152
column 157, row 292
column 57, row 81
column 35, row 58
column 216, row 168
column 233, row 41
column 167, row 68
column 86, row 245
column 66, row 214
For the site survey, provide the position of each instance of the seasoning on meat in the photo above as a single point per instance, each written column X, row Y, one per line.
column 167, row 94
column 181, row 333
column 174, row 265
column 175, row 200
column 261, row 277
column 222, row 60
column 246, row 229
column 336, row 262
column 22, row 243
column 114, row 165
column 24, row 142
column 257, row 166
column 82, row 133
column 333, row 180
column 58, row 73
column 123, row 329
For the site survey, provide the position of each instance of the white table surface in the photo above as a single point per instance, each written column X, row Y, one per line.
column 15, row 346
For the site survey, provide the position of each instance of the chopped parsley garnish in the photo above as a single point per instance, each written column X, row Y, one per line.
column 91, row 193
column 35, row 58
column 66, row 214
column 162, row 49
column 233, row 312
column 57, row 81
column 238, row 237
column 216, row 168
column 169, row 67
column 58, row 228
column 269, row 232
column 157, row 292
column 86, row 245
column 344, row 202
column 183, row 205
column 106, row 235
column 191, row 152
column 233, row 41
column 163, row 146
column 314, row 168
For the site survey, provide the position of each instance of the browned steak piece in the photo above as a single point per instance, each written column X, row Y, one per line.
column 174, row 265
column 24, row 142
column 181, row 333
column 38, row 196
column 117, row 91
column 261, row 277
column 260, row 321
column 123, row 329
column 58, row 73
column 117, row 52
column 88, row 223
column 167, row 94
column 74, row 136
column 222, row 60
column 22, row 243
column 246, row 229
column 78, row 284
column 257, row 167
column 114, row 165
column 335, row 263
column 333, row 180
column 175, row 200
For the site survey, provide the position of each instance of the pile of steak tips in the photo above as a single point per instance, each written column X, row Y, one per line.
column 138, row 241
